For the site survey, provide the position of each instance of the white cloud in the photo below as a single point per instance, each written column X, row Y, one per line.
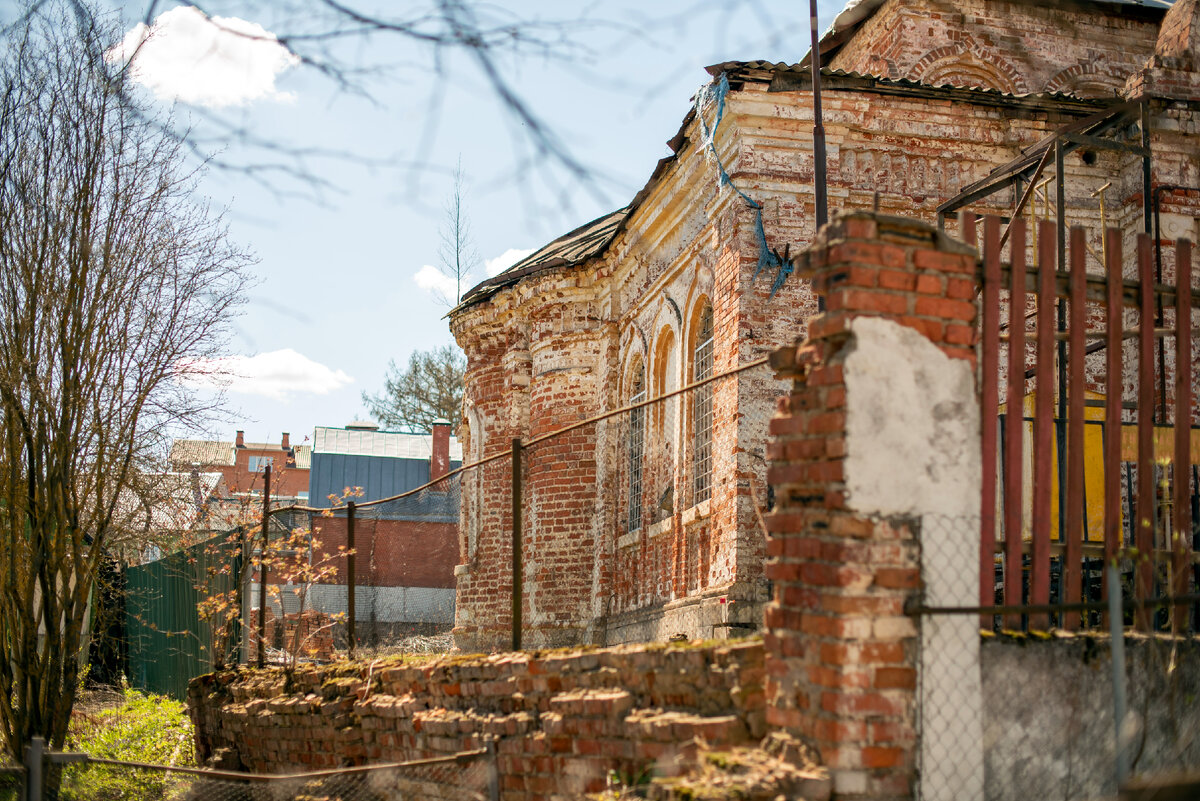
column 431, row 279
column 278, row 375
column 217, row 61
column 505, row 260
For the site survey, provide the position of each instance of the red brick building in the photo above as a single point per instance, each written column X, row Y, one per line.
column 241, row 463
column 641, row 527
column 406, row 549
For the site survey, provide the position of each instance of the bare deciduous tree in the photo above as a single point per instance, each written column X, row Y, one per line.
column 457, row 253
column 112, row 282
column 429, row 389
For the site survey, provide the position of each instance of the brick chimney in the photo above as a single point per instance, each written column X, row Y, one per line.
column 241, row 439
column 439, row 460
column 286, row 443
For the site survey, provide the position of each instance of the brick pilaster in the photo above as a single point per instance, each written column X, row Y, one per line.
column 842, row 657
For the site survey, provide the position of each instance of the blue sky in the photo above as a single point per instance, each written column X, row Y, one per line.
column 336, row 296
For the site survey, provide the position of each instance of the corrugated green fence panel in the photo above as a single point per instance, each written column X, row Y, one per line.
column 168, row 642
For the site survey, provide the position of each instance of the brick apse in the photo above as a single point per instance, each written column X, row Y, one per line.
column 920, row 100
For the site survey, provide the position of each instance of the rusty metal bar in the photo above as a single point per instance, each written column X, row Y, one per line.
column 351, row 579
column 1113, row 389
column 1014, row 431
column 990, row 401
column 1146, row 512
column 1028, row 193
column 1130, row 333
column 1060, row 236
column 1043, row 424
column 967, row 225
column 1183, row 441
column 517, row 583
column 262, row 568
column 1096, row 550
column 913, row 607
column 1072, row 571
column 1097, row 288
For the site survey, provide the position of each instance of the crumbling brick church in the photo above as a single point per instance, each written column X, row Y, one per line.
column 932, row 109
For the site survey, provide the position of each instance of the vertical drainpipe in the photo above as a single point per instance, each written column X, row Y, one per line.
column 818, row 133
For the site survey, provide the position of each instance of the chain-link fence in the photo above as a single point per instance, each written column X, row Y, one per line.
column 379, row 574
column 636, row 498
column 467, row 776
column 1014, row 707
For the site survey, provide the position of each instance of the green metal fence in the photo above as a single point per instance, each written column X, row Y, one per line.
column 170, row 638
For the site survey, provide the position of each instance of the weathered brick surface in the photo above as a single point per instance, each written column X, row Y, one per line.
column 1015, row 47
column 561, row 720
column 561, row 344
column 390, row 553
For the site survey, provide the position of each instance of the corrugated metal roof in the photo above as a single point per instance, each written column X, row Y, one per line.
column 393, row 444
column 585, row 242
column 202, row 452
column 303, row 454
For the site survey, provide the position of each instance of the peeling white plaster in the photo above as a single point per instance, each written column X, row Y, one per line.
column 912, row 425
column 912, row 449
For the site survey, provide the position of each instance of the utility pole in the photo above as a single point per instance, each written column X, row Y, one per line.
column 818, row 133
column 818, row 127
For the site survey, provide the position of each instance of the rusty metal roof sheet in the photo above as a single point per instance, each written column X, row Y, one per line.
column 576, row 247
column 303, row 454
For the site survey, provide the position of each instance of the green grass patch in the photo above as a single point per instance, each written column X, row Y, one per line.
column 147, row 728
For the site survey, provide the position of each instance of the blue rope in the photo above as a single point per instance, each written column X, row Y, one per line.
column 766, row 256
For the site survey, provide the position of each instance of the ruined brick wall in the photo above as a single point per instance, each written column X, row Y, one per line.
column 1015, row 47
column 846, row 544
column 561, row 721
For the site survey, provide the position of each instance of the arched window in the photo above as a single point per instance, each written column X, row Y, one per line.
column 637, row 436
column 702, row 409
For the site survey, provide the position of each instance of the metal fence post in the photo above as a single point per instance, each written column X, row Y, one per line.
column 34, row 761
column 1116, row 627
column 262, row 569
column 516, row 544
column 350, row 579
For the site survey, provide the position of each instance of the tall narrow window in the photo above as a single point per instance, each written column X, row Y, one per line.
column 637, row 434
column 702, row 409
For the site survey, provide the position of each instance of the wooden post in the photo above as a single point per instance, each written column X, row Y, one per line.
column 1183, row 430
column 262, row 569
column 351, row 636
column 1014, row 430
column 1073, row 536
column 1113, row 388
column 1043, row 425
column 1146, row 506
column 991, row 402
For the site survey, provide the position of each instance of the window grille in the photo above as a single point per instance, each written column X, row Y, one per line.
column 637, row 435
column 702, row 410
